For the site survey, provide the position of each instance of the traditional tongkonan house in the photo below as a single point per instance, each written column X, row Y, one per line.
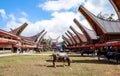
column 23, row 43
column 12, row 37
column 26, row 43
column 39, row 42
column 67, row 40
column 107, row 31
column 34, row 40
column 8, row 41
column 19, row 30
column 116, row 5
column 76, row 40
column 70, row 44
column 71, row 39
column 81, row 37
column 77, row 35
column 40, row 39
column 89, row 34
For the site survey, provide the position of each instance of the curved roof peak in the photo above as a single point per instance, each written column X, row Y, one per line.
column 96, row 23
column 87, row 32
column 67, row 39
column 116, row 5
column 19, row 30
column 34, row 38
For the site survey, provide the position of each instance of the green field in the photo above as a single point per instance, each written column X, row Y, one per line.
column 41, row 65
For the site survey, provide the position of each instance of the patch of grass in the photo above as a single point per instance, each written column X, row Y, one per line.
column 46, row 52
column 42, row 66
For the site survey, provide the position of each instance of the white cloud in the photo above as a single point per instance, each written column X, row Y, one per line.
column 24, row 14
column 97, row 6
column 85, row 23
column 58, row 24
column 61, row 4
column 12, row 17
column 23, row 19
column 60, row 21
column 3, row 13
column 31, row 29
column 14, row 22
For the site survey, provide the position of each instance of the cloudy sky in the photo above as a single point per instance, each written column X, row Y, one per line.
column 55, row 16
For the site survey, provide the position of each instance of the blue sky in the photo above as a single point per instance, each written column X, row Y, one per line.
column 55, row 16
column 28, row 6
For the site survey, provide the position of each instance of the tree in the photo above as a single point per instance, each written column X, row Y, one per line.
column 110, row 18
column 45, row 42
column 101, row 16
column 105, row 16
